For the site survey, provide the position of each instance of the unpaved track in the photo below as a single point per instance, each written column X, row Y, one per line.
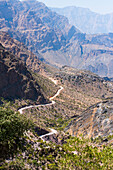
column 49, row 104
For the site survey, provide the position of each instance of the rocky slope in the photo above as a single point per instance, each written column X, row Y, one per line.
column 86, row 82
column 87, row 21
column 16, row 81
column 21, row 51
column 94, row 122
column 36, row 21
column 46, row 33
column 89, row 119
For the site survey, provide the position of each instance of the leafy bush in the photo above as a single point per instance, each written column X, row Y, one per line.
column 12, row 127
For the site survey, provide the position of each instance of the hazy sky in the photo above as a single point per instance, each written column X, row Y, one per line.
column 100, row 6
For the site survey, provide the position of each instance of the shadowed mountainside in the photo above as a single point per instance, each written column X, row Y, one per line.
column 16, row 81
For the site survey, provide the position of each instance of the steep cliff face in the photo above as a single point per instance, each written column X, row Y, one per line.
column 16, row 80
column 34, row 24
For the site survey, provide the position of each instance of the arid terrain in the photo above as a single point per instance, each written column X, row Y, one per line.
column 53, row 116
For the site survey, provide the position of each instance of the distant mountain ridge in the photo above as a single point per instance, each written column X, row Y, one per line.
column 87, row 21
column 50, row 36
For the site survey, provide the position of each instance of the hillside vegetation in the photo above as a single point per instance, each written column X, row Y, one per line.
column 12, row 128
column 32, row 153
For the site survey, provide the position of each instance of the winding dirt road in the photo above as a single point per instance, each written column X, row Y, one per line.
column 49, row 104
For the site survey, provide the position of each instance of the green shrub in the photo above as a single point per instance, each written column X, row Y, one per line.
column 12, row 127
